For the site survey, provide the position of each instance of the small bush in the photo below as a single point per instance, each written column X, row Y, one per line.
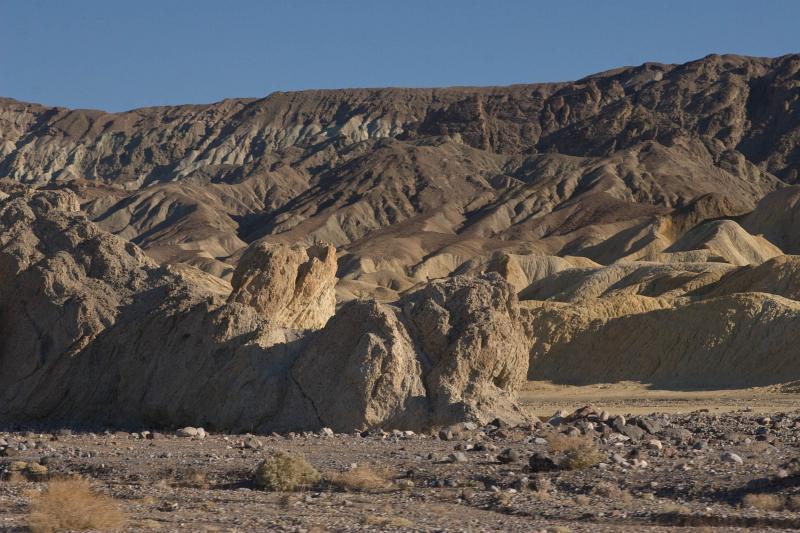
column 559, row 442
column 70, row 504
column 764, row 502
column 362, row 479
column 584, row 456
column 284, row 472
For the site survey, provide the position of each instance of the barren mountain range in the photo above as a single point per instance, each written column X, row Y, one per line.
column 414, row 254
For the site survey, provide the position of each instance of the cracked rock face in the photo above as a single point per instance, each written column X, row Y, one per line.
column 454, row 351
column 292, row 287
column 92, row 332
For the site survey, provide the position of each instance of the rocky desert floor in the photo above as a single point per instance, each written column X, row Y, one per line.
column 722, row 461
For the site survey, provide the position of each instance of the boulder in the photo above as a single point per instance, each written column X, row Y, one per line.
column 293, row 287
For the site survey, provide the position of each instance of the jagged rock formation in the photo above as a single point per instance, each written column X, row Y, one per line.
column 455, row 350
column 93, row 331
column 291, row 287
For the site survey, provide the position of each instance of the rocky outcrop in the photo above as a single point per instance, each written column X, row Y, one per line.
column 293, row 287
column 94, row 332
column 454, row 350
column 735, row 341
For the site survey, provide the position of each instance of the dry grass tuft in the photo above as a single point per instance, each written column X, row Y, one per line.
column 561, row 443
column 285, row 472
column 675, row 508
column 14, row 478
column 387, row 521
column 192, row 478
column 70, row 504
column 363, row 479
column 584, row 456
column 764, row 502
column 582, row 499
column 793, row 503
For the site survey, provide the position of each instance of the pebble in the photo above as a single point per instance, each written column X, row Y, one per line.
column 617, row 458
column 541, row 462
column 730, row 457
column 186, row 432
column 326, row 432
column 655, row 444
column 509, row 455
column 457, row 457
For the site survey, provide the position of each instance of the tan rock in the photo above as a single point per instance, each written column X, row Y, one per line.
column 293, row 287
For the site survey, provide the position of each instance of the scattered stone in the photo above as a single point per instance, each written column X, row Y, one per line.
column 541, row 462
column 730, row 457
column 186, row 432
column 509, row 455
column 168, row 507
column 253, row 443
column 633, row 432
column 649, row 425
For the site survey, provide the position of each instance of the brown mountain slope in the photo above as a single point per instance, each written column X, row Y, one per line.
column 411, row 184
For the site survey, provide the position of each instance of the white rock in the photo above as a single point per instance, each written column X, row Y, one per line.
column 730, row 457
column 186, row 432
column 655, row 444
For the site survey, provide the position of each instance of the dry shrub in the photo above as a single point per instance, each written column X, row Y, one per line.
column 285, row 472
column 606, row 490
column 582, row 499
column 625, row 498
column 793, row 503
column 363, row 479
column 758, row 447
column 764, row 502
column 583, row 456
column 560, row 442
column 70, row 504
column 192, row 478
column 675, row 508
column 14, row 478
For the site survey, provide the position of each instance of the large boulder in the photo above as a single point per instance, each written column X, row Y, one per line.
column 293, row 287
column 454, row 351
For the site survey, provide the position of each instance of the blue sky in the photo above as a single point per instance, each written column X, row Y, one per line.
column 117, row 55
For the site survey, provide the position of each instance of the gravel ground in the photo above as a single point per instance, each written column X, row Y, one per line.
column 726, row 472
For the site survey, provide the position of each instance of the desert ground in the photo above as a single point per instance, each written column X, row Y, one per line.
column 715, row 461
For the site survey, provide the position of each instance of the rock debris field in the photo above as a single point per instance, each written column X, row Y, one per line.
column 580, row 471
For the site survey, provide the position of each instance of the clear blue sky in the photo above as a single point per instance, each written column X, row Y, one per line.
column 121, row 54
